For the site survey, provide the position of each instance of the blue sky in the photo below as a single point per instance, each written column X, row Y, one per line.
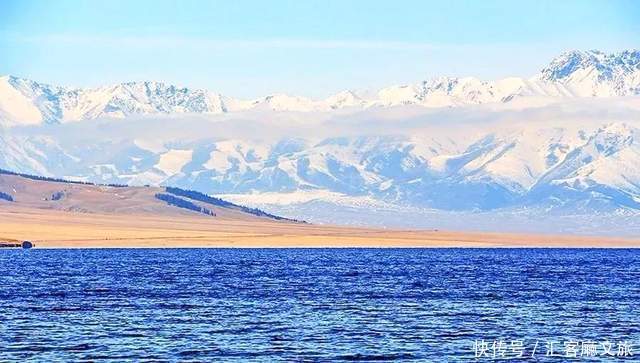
column 313, row 48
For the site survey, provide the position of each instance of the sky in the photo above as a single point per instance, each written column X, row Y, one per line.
column 311, row 48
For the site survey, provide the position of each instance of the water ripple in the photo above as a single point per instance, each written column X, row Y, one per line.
column 307, row 304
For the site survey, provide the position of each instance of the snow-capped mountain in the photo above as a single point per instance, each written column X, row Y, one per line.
column 484, row 160
column 572, row 74
column 565, row 162
column 595, row 74
column 25, row 101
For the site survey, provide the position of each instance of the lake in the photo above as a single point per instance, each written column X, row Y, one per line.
column 318, row 304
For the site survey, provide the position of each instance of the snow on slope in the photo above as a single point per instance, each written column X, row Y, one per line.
column 172, row 161
column 521, row 159
column 572, row 74
column 16, row 106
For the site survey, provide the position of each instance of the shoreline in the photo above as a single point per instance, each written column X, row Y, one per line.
column 58, row 229
column 321, row 247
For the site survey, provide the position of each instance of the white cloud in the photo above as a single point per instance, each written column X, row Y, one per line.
column 403, row 120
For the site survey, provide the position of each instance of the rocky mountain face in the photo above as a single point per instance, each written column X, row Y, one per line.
column 596, row 74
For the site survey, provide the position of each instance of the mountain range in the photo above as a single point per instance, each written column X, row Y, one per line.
column 572, row 74
column 565, row 142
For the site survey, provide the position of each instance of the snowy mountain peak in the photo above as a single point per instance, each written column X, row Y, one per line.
column 567, row 63
column 346, row 99
column 594, row 73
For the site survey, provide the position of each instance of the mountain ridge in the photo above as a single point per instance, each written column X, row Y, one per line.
column 571, row 74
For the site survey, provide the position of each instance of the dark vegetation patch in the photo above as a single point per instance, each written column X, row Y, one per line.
column 192, row 194
column 5, row 196
column 57, row 195
column 57, row 180
column 185, row 204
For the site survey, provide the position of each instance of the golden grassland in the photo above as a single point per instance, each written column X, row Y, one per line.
column 60, row 229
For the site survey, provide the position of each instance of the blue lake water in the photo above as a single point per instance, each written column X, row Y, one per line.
column 312, row 304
